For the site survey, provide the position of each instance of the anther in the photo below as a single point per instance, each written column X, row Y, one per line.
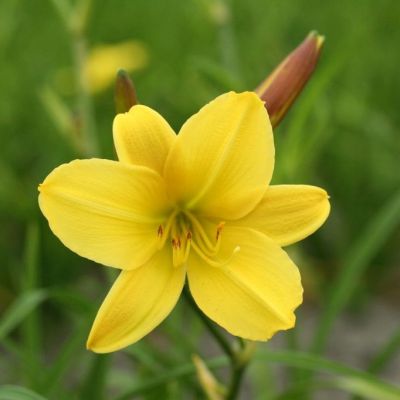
column 219, row 230
column 216, row 262
column 160, row 231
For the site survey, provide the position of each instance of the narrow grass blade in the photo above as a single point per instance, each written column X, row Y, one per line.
column 289, row 358
column 366, row 389
column 31, row 326
column 10, row 392
column 20, row 309
column 65, row 359
column 169, row 376
column 96, row 379
column 387, row 353
column 315, row 363
column 355, row 263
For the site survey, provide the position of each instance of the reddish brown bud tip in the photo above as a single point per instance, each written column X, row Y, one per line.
column 286, row 82
column 125, row 93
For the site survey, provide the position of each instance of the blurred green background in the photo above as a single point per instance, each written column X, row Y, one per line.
column 342, row 134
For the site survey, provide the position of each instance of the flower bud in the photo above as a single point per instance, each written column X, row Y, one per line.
column 212, row 388
column 281, row 88
column 104, row 60
column 125, row 93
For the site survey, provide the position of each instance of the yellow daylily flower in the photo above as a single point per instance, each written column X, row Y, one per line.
column 196, row 204
column 104, row 60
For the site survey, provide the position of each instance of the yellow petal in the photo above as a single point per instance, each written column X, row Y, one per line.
column 255, row 293
column 104, row 210
column 142, row 137
column 223, row 157
column 138, row 301
column 289, row 213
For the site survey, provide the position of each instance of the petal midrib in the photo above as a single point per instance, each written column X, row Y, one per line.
column 254, row 295
column 227, row 145
column 104, row 210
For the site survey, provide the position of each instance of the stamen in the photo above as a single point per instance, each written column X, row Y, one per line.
column 199, row 229
column 165, row 234
column 215, row 262
column 175, row 254
column 188, row 244
column 182, row 239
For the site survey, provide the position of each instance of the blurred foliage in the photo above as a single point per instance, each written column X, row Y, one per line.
column 342, row 134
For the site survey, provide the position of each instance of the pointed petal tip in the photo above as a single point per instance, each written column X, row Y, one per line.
column 89, row 345
column 323, row 192
column 249, row 98
column 93, row 345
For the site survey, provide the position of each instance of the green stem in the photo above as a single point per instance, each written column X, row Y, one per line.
column 171, row 375
column 96, row 381
column 218, row 336
column 31, row 327
column 87, row 128
column 238, row 370
column 239, row 359
column 226, row 38
column 75, row 21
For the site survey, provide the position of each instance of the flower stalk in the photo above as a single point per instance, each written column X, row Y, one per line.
column 239, row 356
column 213, row 330
column 75, row 21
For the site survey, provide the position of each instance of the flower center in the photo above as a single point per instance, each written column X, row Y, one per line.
column 184, row 232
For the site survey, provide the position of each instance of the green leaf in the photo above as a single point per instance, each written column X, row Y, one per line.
column 386, row 353
column 169, row 376
column 358, row 259
column 366, row 389
column 342, row 374
column 31, row 326
column 73, row 302
column 346, row 378
column 66, row 358
column 10, row 392
column 96, row 380
column 20, row 309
